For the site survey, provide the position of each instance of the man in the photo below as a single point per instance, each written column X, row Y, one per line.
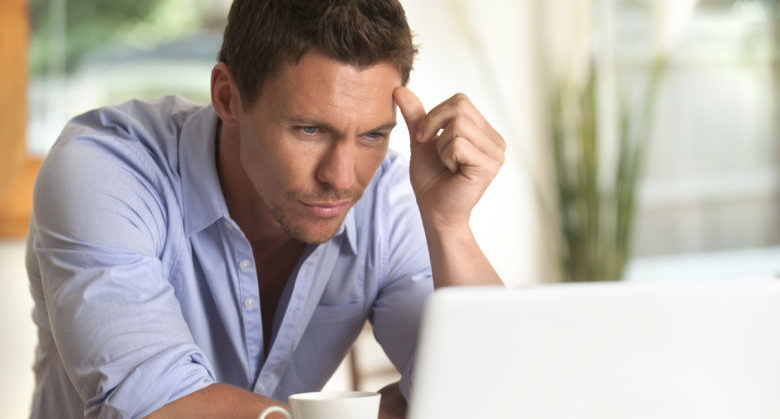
column 191, row 261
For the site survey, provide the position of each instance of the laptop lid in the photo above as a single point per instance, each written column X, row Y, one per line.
column 602, row 350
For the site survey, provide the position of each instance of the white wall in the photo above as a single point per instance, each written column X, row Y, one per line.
column 485, row 49
column 17, row 334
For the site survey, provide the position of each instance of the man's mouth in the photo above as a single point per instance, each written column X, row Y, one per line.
column 326, row 209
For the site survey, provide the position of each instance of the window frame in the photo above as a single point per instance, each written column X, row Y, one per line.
column 17, row 168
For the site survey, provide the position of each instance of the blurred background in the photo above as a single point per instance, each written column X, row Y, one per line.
column 642, row 134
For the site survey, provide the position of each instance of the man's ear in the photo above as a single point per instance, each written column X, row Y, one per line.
column 225, row 97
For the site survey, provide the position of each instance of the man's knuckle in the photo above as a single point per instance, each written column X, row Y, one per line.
column 452, row 150
column 458, row 127
column 461, row 102
column 501, row 143
column 462, row 147
column 459, row 143
column 460, row 97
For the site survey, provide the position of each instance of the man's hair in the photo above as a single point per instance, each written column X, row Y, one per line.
column 262, row 34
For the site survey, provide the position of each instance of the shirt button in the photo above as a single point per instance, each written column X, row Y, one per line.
column 249, row 302
column 260, row 387
column 244, row 265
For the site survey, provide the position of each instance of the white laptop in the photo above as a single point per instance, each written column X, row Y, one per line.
column 605, row 350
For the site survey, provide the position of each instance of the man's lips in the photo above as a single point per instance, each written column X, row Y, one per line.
column 327, row 209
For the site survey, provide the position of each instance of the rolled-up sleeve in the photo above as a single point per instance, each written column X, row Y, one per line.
column 98, row 235
column 408, row 281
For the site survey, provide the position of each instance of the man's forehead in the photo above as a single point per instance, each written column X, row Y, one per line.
column 318, row 64
column 321, row 85
column 314, row 61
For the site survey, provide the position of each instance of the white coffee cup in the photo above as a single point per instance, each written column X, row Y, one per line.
column 329, row 405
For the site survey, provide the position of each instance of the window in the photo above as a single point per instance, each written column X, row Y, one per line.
column 712, row 176
column 88, row 53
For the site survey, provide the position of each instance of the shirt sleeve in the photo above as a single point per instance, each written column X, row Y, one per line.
column 408, row 282
column 99, row 228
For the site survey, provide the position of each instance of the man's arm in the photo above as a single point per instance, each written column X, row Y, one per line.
column 225, row 401
column 96, row 272
column 217, row 401
column 455, row 154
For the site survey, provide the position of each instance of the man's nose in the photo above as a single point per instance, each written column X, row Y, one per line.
column 337, row 167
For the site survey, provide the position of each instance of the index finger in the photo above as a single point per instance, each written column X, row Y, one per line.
column 411, row 108
column 457, row 105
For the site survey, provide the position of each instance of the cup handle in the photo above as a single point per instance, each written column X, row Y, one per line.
column 274, row 409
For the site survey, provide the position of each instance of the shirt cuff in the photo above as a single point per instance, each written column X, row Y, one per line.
column 142, row 392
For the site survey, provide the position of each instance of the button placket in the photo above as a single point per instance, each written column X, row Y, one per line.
column 249, row 301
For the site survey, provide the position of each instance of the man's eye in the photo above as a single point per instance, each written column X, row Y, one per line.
column 309, row 130
column 375, row 136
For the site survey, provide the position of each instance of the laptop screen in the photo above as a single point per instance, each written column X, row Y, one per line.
column 601, row 350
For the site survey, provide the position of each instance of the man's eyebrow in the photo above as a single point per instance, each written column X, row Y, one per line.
column 303, row 121
column 387, row 126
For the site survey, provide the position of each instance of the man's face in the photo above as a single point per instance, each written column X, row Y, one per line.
column 313, row 139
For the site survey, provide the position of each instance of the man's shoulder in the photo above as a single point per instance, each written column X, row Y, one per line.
column 134, row 144
column 122, row 163
column 392, row 174
column 138, row 111
column 148, row 122
column 143, row 133
column 389, row 190
column 393, row 170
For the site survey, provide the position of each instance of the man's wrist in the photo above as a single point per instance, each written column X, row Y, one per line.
column 393, row 404
column 446, row 225
column 456, row 258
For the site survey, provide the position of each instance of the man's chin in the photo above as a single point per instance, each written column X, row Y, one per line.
column 313, row 233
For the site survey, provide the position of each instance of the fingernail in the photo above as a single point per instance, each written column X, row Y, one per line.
column 419, row 135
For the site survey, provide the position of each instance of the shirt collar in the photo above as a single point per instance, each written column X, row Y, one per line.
column 348, row 227
column 201, row 192
column 204, row 203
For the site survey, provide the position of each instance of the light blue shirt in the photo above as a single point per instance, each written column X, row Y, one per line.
column 145, row 289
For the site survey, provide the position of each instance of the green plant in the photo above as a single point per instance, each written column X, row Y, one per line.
column 597, row 215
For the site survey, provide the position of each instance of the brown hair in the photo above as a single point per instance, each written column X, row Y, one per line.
column 260, row 34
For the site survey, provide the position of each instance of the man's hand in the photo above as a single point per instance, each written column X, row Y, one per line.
column 455, row 154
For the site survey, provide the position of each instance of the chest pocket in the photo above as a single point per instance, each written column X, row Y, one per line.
column 338, row 320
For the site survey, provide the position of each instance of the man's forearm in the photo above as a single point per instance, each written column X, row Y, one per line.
column 456, row 258
column 217, row 401
column 455, row 154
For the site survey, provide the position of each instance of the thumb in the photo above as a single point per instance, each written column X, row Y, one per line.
column 411, row 108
